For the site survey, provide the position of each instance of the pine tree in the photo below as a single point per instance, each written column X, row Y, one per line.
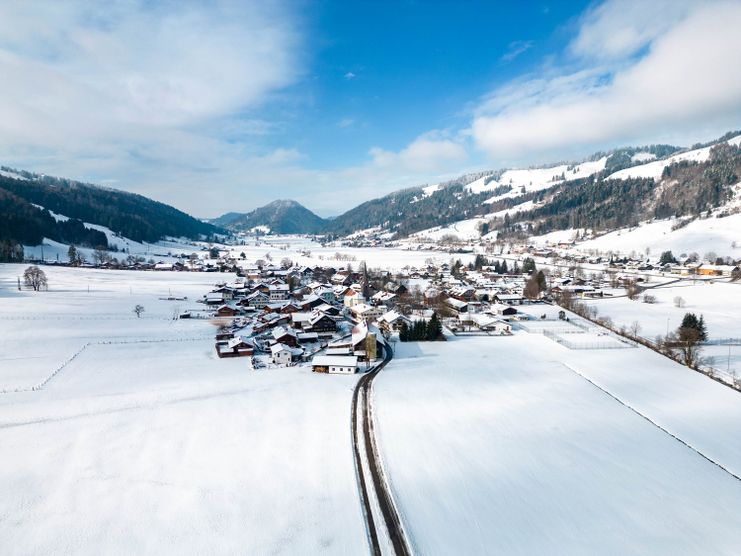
column 434, row 328
column 702, row 329
column 403, row 333
column 72, row 255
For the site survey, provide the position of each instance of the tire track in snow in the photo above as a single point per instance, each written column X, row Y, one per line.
column 391, row 520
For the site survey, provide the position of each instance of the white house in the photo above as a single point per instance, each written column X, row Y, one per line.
column 283, row 354
column 278, row 292
column 392, row 320
column 335, row 364
column 366, row 312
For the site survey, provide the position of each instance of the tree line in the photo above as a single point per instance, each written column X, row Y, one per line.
column 422, row 330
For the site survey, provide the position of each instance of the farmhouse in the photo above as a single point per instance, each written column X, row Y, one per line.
column 257, row 299
column 509, row 298
column 226, row 311
column 502, row 310
column 335, row 364
column 716, row 269
column 214, row 298
column 456, row 304
column 366, row 312
column 284, row 355
column 285, row 336
column 392, row 321
column 278, row 292
column 234, row 347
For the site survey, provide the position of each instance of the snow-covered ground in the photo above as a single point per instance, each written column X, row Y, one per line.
column 166, row 250
column 159, row 447
column 41, row 330
column 504, row 446
column 718, row 302
column 720, row 235
column 304, row 251
column 654, row 169
column 463, row 230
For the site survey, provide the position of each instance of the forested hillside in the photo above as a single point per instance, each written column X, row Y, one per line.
column 127, row 214
column 283, row 216
column 686, row 188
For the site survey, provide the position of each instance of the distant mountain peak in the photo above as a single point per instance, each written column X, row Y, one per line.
column 282, row 216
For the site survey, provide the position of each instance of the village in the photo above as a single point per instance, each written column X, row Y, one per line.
column 339, row 318
column 342, row 318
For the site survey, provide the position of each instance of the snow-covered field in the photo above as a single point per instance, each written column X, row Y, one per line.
column 720, row 235
column 160, row 447
column 502, row 446
column 463, row 230
column 719, row 302
column 40, row 331
column 304, row 251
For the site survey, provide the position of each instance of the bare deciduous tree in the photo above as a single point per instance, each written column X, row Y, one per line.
column 35, row 278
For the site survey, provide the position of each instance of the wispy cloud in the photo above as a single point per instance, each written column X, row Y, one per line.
column 345, row 122
column 515, row 48
column 350, row 75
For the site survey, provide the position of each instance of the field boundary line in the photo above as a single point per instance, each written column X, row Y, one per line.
column 40, row 385
column 654, row 423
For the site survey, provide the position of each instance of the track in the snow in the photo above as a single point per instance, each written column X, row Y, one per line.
column 373, row 478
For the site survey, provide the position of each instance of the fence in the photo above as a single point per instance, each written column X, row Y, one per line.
column 722, row 342
column 714, row 373
column 608, row 343
column 40, row 385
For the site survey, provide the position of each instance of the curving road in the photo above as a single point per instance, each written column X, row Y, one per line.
column 370, row 470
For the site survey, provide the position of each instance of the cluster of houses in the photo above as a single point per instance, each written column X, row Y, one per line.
column 338, row 319
column 284, row 316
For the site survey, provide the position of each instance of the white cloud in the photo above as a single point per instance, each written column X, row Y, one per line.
column 424, row 154
column 686, row 80
column 345, row 122
column 619, row 28
column 515, row 48
column 90, row 88
column 350, row 75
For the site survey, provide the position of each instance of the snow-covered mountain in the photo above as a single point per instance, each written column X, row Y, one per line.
column 606, row 192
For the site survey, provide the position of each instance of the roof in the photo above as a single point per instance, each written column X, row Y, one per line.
column 359, row 333
column 281, row 331
column 237, row 340
column 392, row 316
column 455, row 302
column 335, row 361
column 277, row 348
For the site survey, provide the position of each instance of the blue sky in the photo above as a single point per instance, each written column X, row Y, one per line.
column 217, row 106
column 385, row 72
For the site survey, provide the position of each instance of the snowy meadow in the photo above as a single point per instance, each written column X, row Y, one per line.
column 145, row 442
